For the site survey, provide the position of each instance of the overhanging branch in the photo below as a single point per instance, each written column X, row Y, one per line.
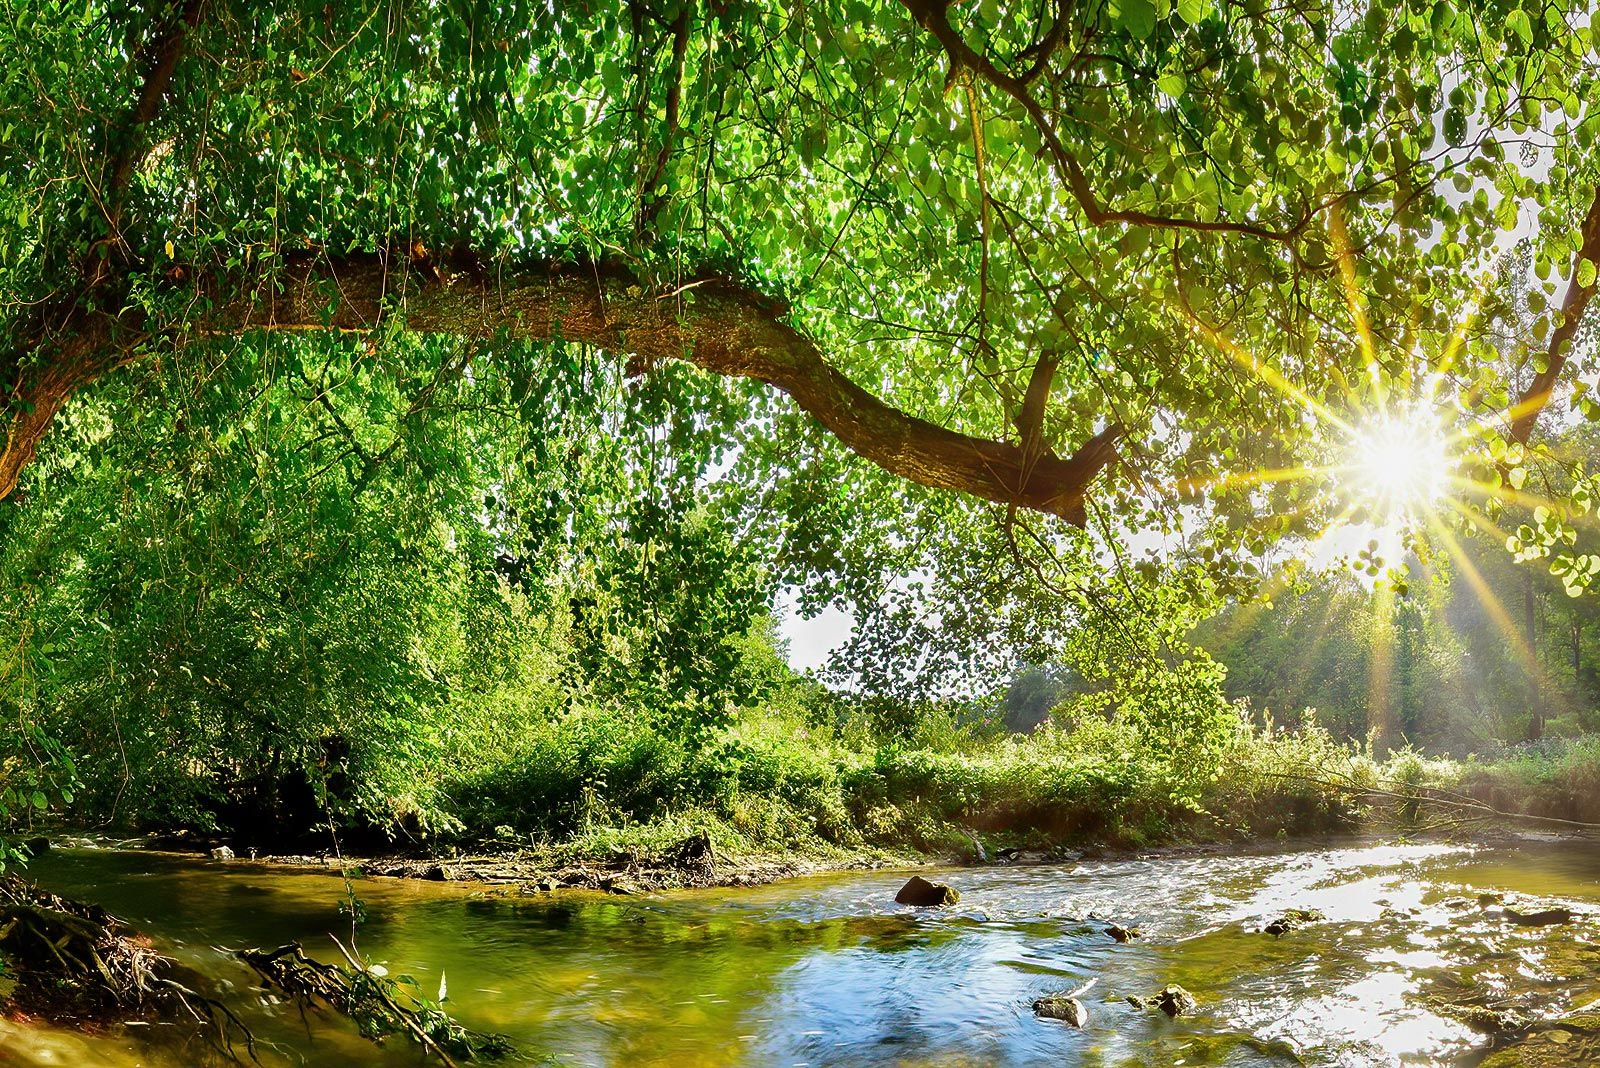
column 725, row 329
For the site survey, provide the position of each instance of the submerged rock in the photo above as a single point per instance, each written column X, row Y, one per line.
column 222, row 853
column 1121, row 933
column 920, row 892
column 1137, row 1002
column 1292, row 920
column 1175, row 1001
column 1572, row 1039
column 1062, row 1007
column 1486, row 1020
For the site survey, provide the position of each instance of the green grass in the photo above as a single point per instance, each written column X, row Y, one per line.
column 596, row 782
column 1558, row 779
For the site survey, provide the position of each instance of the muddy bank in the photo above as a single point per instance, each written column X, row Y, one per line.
column 692, row 863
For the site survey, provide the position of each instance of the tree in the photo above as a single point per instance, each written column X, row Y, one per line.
column 990, row 250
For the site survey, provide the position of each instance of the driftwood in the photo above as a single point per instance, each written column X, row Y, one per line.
column 379, row 1005
column 74, row 961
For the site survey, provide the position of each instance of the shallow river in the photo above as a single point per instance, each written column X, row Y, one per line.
column 829, row 971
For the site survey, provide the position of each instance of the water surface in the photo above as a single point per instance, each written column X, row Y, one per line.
column 829, row 971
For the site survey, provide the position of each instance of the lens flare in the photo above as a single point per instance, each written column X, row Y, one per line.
column 1398, row 467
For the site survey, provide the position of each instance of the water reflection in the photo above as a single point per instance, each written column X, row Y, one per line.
column 829, row 971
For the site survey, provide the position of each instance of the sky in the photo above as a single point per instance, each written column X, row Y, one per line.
column 810, row 640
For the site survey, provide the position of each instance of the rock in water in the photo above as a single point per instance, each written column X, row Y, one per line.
column 1542, row 918
column 222, row 853
column 1175, row 1001
column 920, row 892
column 1062, row 1007
column 1121, row 933
column 1292, row 919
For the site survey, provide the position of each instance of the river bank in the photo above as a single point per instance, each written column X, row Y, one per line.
column 695, row 864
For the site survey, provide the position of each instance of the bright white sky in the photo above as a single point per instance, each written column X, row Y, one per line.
column 810, row 640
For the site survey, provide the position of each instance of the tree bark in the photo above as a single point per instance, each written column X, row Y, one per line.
column 1525, row 413
column 89, row 347
column 718, row 326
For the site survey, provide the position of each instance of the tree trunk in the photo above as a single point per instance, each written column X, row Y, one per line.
column 1535, row 694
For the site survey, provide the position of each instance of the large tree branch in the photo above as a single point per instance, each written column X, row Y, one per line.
column 66, row 344
column 165, row 49
column 716, row 325
column 1525, row 413
column 95, row 345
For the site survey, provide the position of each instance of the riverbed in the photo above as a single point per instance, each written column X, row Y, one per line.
column 827, row 970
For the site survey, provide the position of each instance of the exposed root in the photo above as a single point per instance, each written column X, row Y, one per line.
column 76, row 962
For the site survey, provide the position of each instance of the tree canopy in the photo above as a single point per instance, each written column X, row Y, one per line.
column 1039, row 255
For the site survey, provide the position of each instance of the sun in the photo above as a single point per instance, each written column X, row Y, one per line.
column 1398, row 466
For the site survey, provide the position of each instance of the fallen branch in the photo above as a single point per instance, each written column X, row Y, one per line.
column 379, row 1005
column 1424, row 794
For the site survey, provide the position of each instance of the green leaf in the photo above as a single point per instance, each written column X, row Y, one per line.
column 1138, row 17
column 1517, row 22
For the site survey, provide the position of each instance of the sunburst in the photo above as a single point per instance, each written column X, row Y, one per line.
column 1397, row 464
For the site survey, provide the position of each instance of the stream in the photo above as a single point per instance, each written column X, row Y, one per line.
column 827, row 970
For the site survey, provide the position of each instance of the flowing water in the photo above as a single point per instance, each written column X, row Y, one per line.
column 829, row 971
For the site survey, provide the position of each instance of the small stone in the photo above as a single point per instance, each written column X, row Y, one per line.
column 923, row 894
column 1291, row 920
column 1062, row 1007
column 1487, row 899
column 1121, row 933
column 1175, row 1001
column 1137, row 1002
column 222, row 853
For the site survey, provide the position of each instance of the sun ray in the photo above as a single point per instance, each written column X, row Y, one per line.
column 1261, row 477
column 1358, row 312
column 1503, row 492
column 1261, row 368
column 1458, row 336
column 1489, row 599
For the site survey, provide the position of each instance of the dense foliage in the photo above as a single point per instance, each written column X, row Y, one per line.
column 396, row 400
